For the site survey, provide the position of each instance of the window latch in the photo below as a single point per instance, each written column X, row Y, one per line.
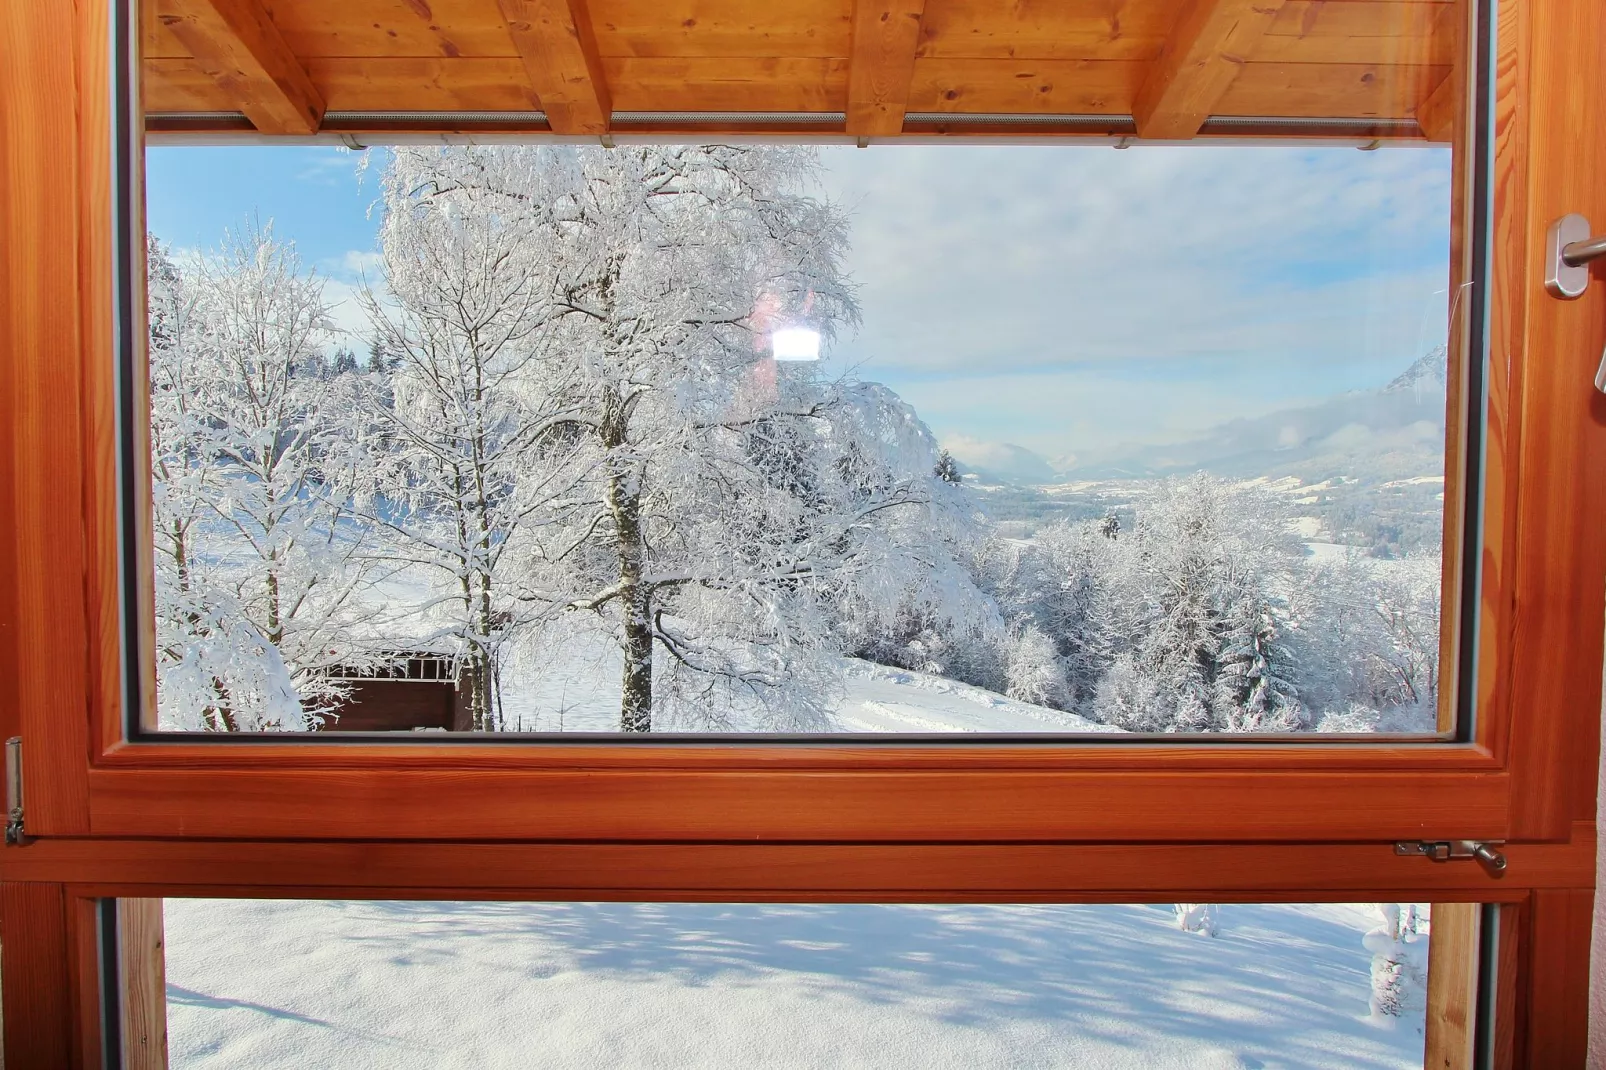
column 14, row 790
column 1569, row 249
column 1485, row 853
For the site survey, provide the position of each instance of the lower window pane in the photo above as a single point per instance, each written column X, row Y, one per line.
column 259, row 983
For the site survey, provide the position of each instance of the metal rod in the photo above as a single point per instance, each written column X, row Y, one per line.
column 1579, row 253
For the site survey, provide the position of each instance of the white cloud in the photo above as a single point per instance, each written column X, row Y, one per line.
column 1324, row 268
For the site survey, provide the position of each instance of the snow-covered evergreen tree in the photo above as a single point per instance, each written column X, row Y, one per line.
column 1190, row 611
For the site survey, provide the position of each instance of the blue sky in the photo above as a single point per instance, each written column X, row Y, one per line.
column 1063, row 298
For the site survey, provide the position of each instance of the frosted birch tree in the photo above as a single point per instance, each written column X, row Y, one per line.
column 273, row 429
column 724, row 496
column 216, row 671
column 474, row 412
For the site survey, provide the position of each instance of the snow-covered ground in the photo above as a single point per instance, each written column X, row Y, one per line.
column 579, row 692
column 393, row 986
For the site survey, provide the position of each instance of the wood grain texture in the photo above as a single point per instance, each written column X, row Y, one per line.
column 1462, row 370
column 141, row 963
column 1026, row 87
column 237, row 45
column 1508, row 309
column 559, row 49
column 737, row 55
column 1452, row 996
column 41, row 337
column 1201, row 58
column 739, row 84
column 653, row 29
column 839, row 806
column 1071, row 29
column 1556, row 1031
column 1561, row 553
column 37, row 980
column 885, row 33
column 1361, row 31
column 1440, row 113
column 1264, row 872
column 1510, row 995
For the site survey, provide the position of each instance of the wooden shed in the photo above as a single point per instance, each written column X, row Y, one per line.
column 413, row 691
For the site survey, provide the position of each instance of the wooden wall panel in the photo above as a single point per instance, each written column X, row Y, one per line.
column 142, row 964
column 1093, row 87
column 655, row 29
column 729, row 84
column 1556, row 1031
column 1452, row 996
column 36, row 975
column 1073, row 29
column 1329, row 89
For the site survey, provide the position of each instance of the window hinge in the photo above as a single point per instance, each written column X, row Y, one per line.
column 14, row 833
column 1486, row 852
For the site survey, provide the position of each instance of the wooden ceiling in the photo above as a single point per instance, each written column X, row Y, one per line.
column 1163, row 69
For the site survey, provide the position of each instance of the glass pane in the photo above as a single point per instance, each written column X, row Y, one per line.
column 411, row 984
column 946, row 438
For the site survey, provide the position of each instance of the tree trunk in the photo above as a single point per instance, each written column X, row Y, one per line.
column 624, row 502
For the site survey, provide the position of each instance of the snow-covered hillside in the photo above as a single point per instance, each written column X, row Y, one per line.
column 613, row 986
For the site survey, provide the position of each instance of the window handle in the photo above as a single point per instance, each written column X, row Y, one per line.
column 1569, row 249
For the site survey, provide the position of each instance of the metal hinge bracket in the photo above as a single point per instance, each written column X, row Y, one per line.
column 1485, row 852
column 14, row 833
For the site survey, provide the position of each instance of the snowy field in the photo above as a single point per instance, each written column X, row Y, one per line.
column 578, row 691
column 393, row 986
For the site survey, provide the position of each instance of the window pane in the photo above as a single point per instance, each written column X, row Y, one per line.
column 950, row 438
column 405, row 984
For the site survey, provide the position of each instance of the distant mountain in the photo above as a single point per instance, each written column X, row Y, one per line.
column 999, row 462
column 1393, row 432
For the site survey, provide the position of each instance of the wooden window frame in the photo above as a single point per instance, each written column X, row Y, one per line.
column 647, row 820
column 1539, row 633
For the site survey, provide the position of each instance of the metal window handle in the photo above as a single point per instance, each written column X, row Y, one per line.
column 1569, row 249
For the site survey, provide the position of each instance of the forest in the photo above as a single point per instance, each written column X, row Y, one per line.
column 571, row 422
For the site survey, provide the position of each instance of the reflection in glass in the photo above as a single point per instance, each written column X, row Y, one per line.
column 792, row 439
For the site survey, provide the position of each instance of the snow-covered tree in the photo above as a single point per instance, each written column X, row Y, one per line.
column 274, row 429
column 473, row 412
column 1399, row 961
column 723, row 493
column 1033, row 672
column 1369, row 633
column 1197, row 918
column 1191, row 612
column 215, row 670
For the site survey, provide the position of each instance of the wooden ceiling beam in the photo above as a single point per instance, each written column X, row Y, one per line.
column 558, row 45
column 885, row 35
column 237, row 45
column 1201, row 58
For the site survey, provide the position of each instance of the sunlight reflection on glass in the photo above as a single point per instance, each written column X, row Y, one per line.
column 795, row 343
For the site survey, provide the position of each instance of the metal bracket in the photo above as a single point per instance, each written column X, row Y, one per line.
column 1485, row 852
column 14, row 833
column 1568, row 252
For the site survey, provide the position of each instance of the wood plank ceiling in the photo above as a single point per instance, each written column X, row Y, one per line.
column 868, row 68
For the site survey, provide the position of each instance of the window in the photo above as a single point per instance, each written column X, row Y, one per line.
column 114, row 808
column 762, row 438
column 421, row 984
